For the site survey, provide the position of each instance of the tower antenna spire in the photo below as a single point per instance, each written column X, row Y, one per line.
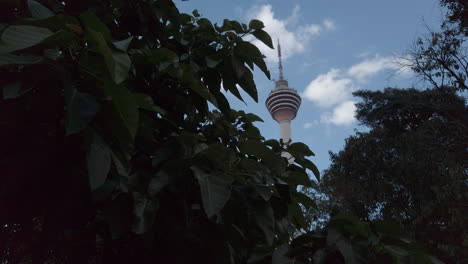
column 281, row 77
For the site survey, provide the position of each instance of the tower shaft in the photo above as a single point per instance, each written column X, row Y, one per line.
column 285, row 130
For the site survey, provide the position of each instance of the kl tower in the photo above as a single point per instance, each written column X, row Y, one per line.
column 283, row 103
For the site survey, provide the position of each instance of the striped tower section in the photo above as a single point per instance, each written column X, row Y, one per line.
column 283, row 103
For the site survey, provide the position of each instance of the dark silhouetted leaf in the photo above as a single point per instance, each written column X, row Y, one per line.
column 39, row 11
column 14, row 90
column 256, row 24
column 18, row 37
column 215, row 188
column 98, row 161
column 80, row 108
column 263, row 37
column 145, row 213
column 265, row 219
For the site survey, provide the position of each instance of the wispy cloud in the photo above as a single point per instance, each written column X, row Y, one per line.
column 295, row 38
column 311, row 124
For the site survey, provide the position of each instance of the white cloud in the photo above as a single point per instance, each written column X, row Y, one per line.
column 334, row 88
column 311, row 124
column 329, row 89
column 343, row 114
column 294, row 38
column 370, row 67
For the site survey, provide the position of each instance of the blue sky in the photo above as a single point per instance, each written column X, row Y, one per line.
column 330, row 49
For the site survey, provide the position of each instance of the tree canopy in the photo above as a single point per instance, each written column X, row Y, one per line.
column 110, row 153
column 411, row 164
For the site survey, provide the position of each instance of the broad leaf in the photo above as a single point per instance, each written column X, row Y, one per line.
column 256, row 24
column 144, row 101
column 14, row 90
column 39, row 11
column 265, row 218
column 157, row 183
column 215, row 188
column 305, row 200
column 125, row 106
column 92, row 22
column 98, row 161
column 123, row 45
column 11, row 59
column 264, row 191
column 297, row 178
column 248, row 85
column 17, row 37
column 145, row 213
column 300, row 148
column 258, row 149
column 263, row 37
column 80, row 109
column 307, row 164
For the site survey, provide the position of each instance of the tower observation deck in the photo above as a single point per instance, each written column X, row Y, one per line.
column 283, row 103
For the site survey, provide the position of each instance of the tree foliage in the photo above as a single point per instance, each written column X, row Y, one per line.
column 111, row 155
column 411, row 164
column 440, row 56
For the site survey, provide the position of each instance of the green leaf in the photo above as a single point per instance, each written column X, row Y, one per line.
column 264, row 191
column 230, row 85
column 80, row 109
column 238, row 66
column 17, row 37
column 215, row 188
column 248, row 85
column 195, row 13
column 118, row 63
column 344, row 245
column 122, row 66
column 157, row 183
column 145, row 213
column 296, row 215
column 94, row 24
column 301, row 148
column 259, row 150
column 52, row 54
column 253, row 117
column 256, row 24
column 125, row 106
column 297, row 178
column 263, row 37
column 144, row 101
column 123, row 45
column 39, row 11
column 98, row 160
column 237, row 27
column 98, row 39
column 265, row 218
column 14, row 90
column 164, row 58
column 122, row 169
column 305, row 163
column 27, row 59
column 305, row 200
column 212, row 61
